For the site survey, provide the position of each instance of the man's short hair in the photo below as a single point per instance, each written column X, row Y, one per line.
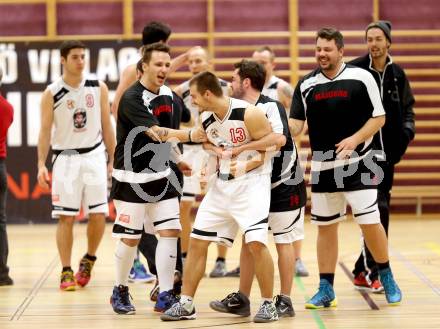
column 330, row 33
column 267, row 48
column 148, row 50
column 68, row 45
column 207, row 81
column 139, row 66
column 253, row 71
column 155, row 32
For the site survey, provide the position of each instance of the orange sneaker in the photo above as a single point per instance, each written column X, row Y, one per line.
column 83, row 275
column 67, row 281
column 360, row 282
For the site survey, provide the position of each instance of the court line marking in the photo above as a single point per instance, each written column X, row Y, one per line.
column 315, row 313
column 33, row 292
column 410, row 266
column 363, row 293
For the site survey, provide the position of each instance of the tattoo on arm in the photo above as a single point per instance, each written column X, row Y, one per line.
column 163, row 132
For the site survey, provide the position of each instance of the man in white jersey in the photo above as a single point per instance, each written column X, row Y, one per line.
column 279, row 90
column 144, row 186
column 274, row 87
column 288, row 194
column 78, row 112
column 239, row 197
column 194, row 155
column 344, row 110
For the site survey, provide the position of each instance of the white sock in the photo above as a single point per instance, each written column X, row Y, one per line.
column 124, row 258
column 166, row 256
column 187, row 302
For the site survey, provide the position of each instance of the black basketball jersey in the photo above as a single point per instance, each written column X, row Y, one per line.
column 142, row 171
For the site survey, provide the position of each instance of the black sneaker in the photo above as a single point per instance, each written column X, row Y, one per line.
column 235, row 303
column 6, row 281
column 235, row 273
column 284, row 306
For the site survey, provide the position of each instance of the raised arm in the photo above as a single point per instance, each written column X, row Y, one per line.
column 128, row 77
column 46, row 109
column 178, row 62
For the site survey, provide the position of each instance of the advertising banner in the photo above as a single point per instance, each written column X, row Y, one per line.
column 28, row 67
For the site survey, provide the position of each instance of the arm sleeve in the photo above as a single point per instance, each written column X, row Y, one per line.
column 273, row 115
column 373, row 93
column 297, row 108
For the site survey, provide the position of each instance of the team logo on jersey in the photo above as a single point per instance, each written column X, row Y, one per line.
column 146, row 98
column 90, row 101
column 214, row 133
column 70, row 104
column 79, row 119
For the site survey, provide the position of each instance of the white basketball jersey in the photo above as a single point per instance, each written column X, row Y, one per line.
column 270, row 88
column 77, row 115
column 230, row 132
column 187, row 99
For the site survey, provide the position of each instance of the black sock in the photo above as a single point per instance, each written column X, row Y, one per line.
column 220, row 259
column 67, row 268
column 92, row 258
column 383, row 266
column 330, row 277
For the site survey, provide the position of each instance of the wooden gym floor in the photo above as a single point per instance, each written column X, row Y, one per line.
column 36, row 302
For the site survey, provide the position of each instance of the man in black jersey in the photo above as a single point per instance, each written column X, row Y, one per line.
column 147, row 244
column 288, row 193
column 144, row 187
column 152, row 32
column 343, row 109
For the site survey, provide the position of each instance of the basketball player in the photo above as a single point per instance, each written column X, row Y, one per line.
column 153, row 32
column 146, row 198
column 77, row 109
column 239, row 197
column 194, row 155
column 279, row 90
column 288, row 194
column 344, row 110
